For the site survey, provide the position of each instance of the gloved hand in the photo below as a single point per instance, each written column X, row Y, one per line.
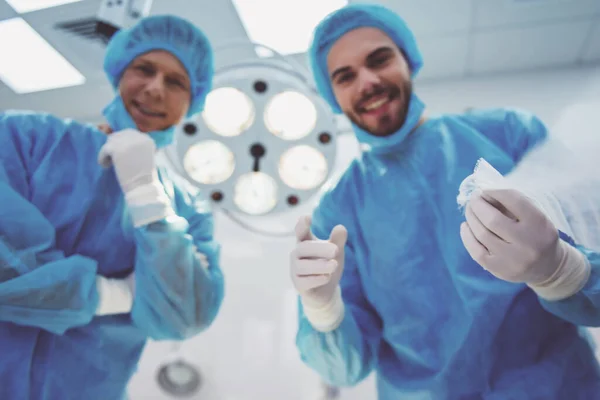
column 316, row 269
column 511, row 238
column 115, row 295
column 132, row 154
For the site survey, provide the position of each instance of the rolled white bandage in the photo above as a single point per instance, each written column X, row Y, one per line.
column 115, row 295
column 148, row 204
column 328, row 317
column 570, row 277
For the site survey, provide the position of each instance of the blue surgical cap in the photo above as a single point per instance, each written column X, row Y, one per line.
column 349, row 18
column 174, row 35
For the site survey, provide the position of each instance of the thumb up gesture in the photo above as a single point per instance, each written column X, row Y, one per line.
column 317, row 265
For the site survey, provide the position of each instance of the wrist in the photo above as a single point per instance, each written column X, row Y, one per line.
column 115, row 296
column 570, row 276
column 148, row 203
column 326, row 317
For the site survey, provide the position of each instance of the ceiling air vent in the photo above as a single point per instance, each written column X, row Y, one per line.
column 88, row 28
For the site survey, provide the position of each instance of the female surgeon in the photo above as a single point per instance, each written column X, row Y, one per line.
column 95, row 259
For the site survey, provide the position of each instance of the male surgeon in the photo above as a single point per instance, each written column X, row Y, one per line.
column 385, row 282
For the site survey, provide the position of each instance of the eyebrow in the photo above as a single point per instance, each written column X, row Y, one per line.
column 184, row 78
column 383, row 50
column 374, row 54
column 339, row 71
column 179, row 75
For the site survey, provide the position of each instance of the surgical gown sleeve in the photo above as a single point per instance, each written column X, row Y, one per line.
column 583, row 308
column 522, row 131
column 39, row 285
column 513, row 130
column 346, row 355
column 176, row 296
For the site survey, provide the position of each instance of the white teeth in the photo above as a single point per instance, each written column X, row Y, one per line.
column 146, row 111
column 376, row 104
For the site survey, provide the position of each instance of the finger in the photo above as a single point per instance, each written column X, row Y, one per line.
column 316, row 249
column 314, row 267
column 104, row 156
column 493, row 219
column 499, row 206
column 105, row 128
column 476, row 250
column 338, row 236
column 515, row 202
column 487, row 238
column 310, row 282
column 303, row 229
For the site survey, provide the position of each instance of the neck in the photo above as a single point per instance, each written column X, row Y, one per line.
column 422, row 119
column 415, row 117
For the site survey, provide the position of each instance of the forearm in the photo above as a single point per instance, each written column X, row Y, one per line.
column 178, row 293
column 340, row 354
column 56, row 296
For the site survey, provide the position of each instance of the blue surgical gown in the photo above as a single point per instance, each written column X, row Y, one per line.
column 63, row 221
column 420, row 312
column 583, row 308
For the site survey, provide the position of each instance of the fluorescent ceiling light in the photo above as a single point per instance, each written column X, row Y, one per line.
column 285, row 26
column 24, row 6
column 29, row 63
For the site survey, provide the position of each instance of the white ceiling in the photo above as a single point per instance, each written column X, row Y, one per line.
column 458, row 38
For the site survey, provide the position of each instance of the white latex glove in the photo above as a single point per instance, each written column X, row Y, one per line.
column 115, row 295
column 132, row 154
column 511, row 238
column 316, row 269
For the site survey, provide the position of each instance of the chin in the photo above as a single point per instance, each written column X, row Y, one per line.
column 383, row 132
column 384, row 128
column 143, row 128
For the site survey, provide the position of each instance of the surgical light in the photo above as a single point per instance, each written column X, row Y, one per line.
column 228, row 111
column 209, row 162
column 290, row 115
column 255, row 193
column 265, row 142
column 303, row 167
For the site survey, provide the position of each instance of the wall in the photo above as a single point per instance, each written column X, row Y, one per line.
column 545, row 93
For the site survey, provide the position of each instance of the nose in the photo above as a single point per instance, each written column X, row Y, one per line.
column 367, row 80
column 155, row 87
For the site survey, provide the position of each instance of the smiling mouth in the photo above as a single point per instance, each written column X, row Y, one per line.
column 147, row 111
column 375, row 104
